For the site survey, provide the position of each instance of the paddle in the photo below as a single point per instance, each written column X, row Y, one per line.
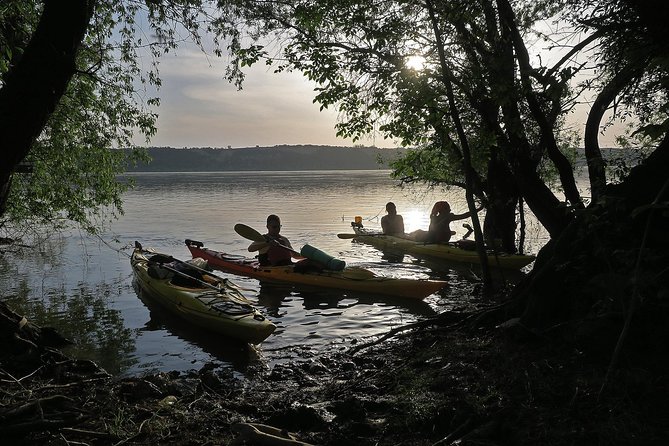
column 357, row 273
column 469, row 229
column 187, row 276
column 227, row 282
column 251, row 234
column 349, row 235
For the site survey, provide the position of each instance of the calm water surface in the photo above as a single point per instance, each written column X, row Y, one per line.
column 84, row 286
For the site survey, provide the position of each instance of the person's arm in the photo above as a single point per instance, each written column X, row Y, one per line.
column 465, row 215
column 400, row 225
column 257, row 246
column 284, row 241
column 384, row 224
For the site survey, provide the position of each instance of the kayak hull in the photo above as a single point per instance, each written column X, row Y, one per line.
column 446, row 251
column 224, row 311
column 351, row 278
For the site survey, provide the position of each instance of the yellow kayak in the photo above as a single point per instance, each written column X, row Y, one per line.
column 446, row 251
column 206, row 301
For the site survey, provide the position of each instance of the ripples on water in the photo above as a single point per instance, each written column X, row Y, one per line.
column 83, row 285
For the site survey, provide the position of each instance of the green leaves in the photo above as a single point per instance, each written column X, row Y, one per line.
column 76, row 159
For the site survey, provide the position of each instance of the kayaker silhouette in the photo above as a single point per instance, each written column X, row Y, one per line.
column 393, row 223
column 440, row 224
column 270, row 253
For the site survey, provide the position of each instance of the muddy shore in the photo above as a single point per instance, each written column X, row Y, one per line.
column 451, row 380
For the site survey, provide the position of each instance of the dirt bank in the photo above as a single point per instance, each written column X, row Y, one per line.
column 449, row 381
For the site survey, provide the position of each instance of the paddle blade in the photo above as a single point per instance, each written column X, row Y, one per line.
column 249, row 233
column 347, row 235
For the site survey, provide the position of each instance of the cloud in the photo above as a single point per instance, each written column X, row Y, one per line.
column 200, row 108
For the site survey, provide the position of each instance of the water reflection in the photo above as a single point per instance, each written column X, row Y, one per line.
column 237, row 354
column 84, row 317
column 271, row 296
column 442, row 268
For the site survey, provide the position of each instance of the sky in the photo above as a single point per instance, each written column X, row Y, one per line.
column 199, row 108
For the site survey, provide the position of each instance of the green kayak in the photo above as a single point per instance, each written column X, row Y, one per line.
column 205, row 300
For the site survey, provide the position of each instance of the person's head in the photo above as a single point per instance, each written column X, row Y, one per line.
column 441, row 208
column 273, row 224
column 390, row 208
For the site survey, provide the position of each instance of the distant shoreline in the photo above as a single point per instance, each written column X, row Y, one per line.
column 299, row 158
column 262, row 159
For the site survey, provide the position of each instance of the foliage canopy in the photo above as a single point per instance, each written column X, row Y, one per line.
column 75, row 162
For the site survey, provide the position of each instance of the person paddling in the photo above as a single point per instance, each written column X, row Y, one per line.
column 270, row 251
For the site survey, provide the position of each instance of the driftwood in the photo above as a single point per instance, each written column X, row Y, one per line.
column 40, row 414
column 262, row 434
column 28, row 404
column 22, row 337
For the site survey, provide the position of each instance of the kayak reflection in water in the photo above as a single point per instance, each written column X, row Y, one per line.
column 393, row 223
column 272, row 251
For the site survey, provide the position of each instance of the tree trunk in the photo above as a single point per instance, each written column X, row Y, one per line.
column 546, row 126
column 593, row 155
column 34, row 86
column 613, row 254
column 500, row 218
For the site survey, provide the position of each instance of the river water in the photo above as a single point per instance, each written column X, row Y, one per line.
column 83, row 285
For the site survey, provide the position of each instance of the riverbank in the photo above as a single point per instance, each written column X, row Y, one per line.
column 451, row 380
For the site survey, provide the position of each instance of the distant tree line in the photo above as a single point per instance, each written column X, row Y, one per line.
column 301, row 157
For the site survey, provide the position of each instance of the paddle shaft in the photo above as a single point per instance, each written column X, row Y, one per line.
column 207, row 284
column 182, row 274
column 251, row 234
column 195, row 267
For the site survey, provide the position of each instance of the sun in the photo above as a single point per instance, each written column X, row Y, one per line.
column 415, row 62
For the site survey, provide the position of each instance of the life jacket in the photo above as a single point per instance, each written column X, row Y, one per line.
column 275, row 255
column 441, row 235
column 278, row 256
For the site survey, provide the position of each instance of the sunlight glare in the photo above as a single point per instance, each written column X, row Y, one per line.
column 415, row 62
column 415, row 219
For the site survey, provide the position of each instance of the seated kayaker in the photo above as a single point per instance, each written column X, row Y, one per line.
column 272, row 251
column 393, row 223
column 440, row 224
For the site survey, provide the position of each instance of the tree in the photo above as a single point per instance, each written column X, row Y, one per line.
column 474, row 101
column 30, row 90
column 71, row 91
column 612, row 258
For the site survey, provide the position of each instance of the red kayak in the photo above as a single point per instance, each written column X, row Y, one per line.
column 351, row 278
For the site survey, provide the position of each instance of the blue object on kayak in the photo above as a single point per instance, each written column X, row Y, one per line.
column 326, row 259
